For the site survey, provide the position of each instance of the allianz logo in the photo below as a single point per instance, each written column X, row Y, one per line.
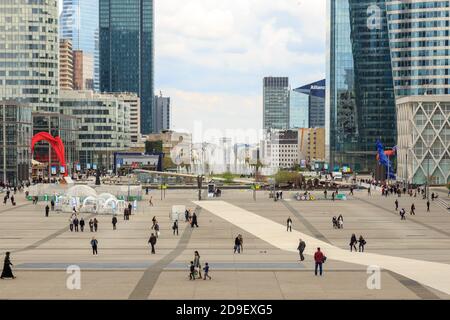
column 317, row 88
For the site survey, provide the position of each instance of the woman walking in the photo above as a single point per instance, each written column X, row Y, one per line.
column 362, row 243
column 197, row 264
column 7, row 271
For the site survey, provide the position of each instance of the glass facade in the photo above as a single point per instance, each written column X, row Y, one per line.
column 126, row 52
column 15, row 136
column 299, row 113
column 276, row 103
column 316, row 103
column 79, row 23
column 419, row 33
column 360, row 100
column 29, row 49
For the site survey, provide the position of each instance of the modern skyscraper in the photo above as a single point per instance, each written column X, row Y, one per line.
column 360, row 103
column 29, row 50
column 126, row 52
column 276, row 103
column 161, row 114
column 82, row 71
column 419, row 34
column 315, row 93
column 65, row 65
column 79, row 23
column 299, row 109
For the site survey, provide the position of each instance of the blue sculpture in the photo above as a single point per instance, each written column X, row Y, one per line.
column 383, row 159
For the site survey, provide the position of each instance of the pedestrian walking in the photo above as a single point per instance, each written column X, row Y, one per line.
column 194, row 220
column 206, row 271
column 192, row 271
column 153, row 222
column 95, row 224
column 428, row 205
column 396, row 205
column 76, row 223
column 186, row 215
column 197, row 264
column 94, row 244
column 413, row 210
column 114, row 222
column 71, row 224
column 52, row 204
column 175, row 227
column 82, row 225
column 157, row 230
column 241, row 242
column 91, row 225
column 150, row 202
column 289, row 224
column 362, row 243
column 341, row 222
column 353, row 242
column 402, row 214
column 47, row 210
column 319, row 260
column 301, row 248
column 152, row 242
column 7, row 271
column 237, row 245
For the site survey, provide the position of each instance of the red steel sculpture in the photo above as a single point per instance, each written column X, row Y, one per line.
column 56, row 144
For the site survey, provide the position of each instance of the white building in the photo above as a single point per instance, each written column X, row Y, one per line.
column 134, row 102
column 280, row 150
column 423, row 125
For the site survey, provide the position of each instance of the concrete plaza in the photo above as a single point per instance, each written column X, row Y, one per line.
column 42, row 248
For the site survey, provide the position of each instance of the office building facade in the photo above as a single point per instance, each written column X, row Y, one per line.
column 104, row 126
column 360, row 102
column 127, row 52
column 65, row 65
column 79, row 23
column 419, row 34
column 424, row 139
column 311, row 144
column 276, row 103
column 16, row 129
column 299, row 110
column 29, row 49
column 315, row 93
column 161, row 114
column 134, row 103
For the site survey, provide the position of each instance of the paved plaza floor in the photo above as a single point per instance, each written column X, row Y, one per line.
column 413, row 254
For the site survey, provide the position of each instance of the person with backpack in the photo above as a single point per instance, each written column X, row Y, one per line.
column 319, row 260
column 362, row 243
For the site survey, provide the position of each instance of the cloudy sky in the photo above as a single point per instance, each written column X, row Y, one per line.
column 211, row 55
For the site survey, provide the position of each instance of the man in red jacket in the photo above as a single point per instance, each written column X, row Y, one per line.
column 319, row 258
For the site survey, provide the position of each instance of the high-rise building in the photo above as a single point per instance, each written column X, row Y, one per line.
column 360, row 103
column 315, row 93
column 127, row 53
column 419, row 37
column 29, row 50
column 161, row 114
column 15, row 159
column 79, row 23
column 299, row 110
column 276, row 103
column 280, row 149
column 65, row 65
column 134, row 103
column 311, row 144
column 82, row 71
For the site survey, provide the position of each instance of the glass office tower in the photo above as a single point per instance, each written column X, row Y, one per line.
column 276, row 103
column 419, row 34
column 79, row 23
column 126, row 52
column 360, row 99
column 299, row 113
column 316, row 103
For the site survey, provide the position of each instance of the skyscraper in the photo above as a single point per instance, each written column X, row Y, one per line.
column 65, row 64
column 419, row 36
column 161, row 114
column 79, row 23
column 126, row 52
column 29, row 51
column 276, row 103
column 360, row 103
column 299, row 110
column 315, row 93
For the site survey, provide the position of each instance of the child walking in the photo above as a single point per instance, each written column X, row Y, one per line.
column 206, row 271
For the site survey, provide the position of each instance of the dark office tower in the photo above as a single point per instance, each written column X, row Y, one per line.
column 126, row 52
column 360, row 100
column 316, row 103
